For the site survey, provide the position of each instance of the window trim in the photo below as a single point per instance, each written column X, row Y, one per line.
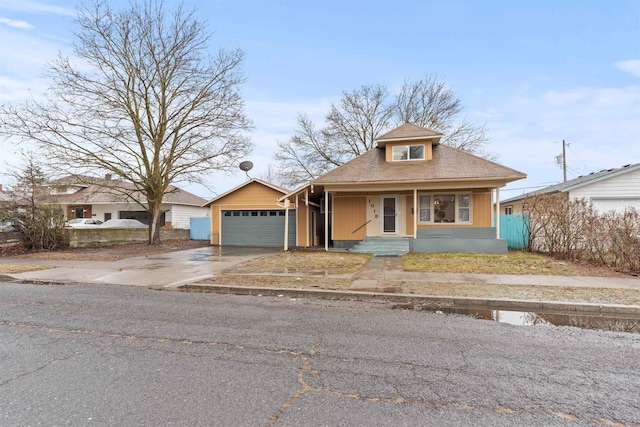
column 456, row 194
column 408, row 149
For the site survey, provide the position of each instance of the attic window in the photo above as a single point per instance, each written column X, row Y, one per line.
column 408, row 152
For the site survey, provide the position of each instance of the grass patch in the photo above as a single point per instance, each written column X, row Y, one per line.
column 19, row 268
column 526, row 292
column 284, row 282
column 308, row 262
column 515, row 262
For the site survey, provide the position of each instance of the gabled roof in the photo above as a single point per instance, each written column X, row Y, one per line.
column 103, row 191
column 578, row 182
column 447, row 164
column 244, row 184
column 408, row 132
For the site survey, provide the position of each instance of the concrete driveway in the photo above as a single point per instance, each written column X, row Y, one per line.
column 162, row 270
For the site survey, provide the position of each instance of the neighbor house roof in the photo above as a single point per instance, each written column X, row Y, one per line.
column 578, row 182
column 103, row 191
column 447, row 164
column 407, row 132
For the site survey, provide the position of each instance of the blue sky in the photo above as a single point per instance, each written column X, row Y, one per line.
column 534, row 72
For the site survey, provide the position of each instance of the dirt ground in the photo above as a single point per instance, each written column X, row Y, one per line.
column 107, row 253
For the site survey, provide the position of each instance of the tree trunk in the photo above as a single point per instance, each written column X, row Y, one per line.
column 154, row 223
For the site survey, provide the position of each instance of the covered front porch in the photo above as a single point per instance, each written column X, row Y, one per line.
column 394, row 220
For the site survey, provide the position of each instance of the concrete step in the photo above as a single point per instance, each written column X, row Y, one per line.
column 382, row 246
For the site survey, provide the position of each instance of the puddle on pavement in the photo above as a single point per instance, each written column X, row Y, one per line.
column 524, row 318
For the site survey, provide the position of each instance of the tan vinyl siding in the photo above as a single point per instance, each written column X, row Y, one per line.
column 409, row 215
column 302, row 212
column 215, row 225
column 481, row 210
column 253, row 196
column 349, row 213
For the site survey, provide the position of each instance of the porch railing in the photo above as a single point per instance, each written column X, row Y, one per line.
column 353, row 232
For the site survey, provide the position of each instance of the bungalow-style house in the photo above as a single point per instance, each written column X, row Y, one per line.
column 104, row 199
column 410, row 193
column 609, row 189
column 250, row 215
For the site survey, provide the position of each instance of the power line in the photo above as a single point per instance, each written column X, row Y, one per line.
column 586, row 168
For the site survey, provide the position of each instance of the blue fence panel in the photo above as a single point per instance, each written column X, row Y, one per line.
column 200, row 228
column 513, row 228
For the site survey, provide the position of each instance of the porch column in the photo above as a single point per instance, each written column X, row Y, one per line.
column 326, row 220
column 497, row 212
column 307, row 215
column 415, row 213
column 286, row 224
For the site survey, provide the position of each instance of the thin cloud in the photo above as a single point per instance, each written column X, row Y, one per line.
column 37, row 7
column 16, row 24
column 631, row 66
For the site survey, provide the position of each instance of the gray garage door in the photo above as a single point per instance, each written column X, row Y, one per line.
column 257, row 228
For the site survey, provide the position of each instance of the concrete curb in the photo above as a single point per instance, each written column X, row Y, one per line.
column 426, row 301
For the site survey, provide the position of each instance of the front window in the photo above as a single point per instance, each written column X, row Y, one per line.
column 408, row 152
column 445, row 208
column 464, row 206
column 425, row 208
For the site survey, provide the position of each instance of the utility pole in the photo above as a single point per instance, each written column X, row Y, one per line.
column 564, row 160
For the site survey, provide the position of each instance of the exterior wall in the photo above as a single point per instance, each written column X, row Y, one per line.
column 481, row 208
column 252, row 196
column 349, row 213
column 614, row 193
column 179, row 216
column 303, row 223
column 99, row 211
column 404, row 213
column 408, row 215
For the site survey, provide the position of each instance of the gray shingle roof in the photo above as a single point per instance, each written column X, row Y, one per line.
column 447, row 164
column 94, row 193
column 577, row 182
column 408, row 131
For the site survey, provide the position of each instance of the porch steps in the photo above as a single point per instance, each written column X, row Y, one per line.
column 382, row 246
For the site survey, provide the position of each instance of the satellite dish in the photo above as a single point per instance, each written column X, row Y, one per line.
column 246, row 167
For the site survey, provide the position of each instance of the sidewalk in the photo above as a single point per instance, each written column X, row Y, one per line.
column 382, row 278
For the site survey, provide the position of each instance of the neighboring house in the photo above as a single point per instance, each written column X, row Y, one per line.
column 250, row 215
column 426, row 196
column 610, row 189
column 104, row 199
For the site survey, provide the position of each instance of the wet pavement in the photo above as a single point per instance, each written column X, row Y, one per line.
column 381, row 278
column 170, row 269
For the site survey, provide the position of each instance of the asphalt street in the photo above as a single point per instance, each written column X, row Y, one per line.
column 121, row 355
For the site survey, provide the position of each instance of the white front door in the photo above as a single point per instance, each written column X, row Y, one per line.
column 389, row 214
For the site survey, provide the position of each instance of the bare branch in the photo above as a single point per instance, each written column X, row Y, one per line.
column 141, row 99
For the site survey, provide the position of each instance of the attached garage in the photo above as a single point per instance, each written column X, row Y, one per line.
column 250, row 215
column 257, row 227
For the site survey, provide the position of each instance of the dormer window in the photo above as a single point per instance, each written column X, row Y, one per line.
column 408, row 152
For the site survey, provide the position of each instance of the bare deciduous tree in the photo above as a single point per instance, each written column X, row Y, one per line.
column 143, row 100
column 37, row 217
column 352, row 125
